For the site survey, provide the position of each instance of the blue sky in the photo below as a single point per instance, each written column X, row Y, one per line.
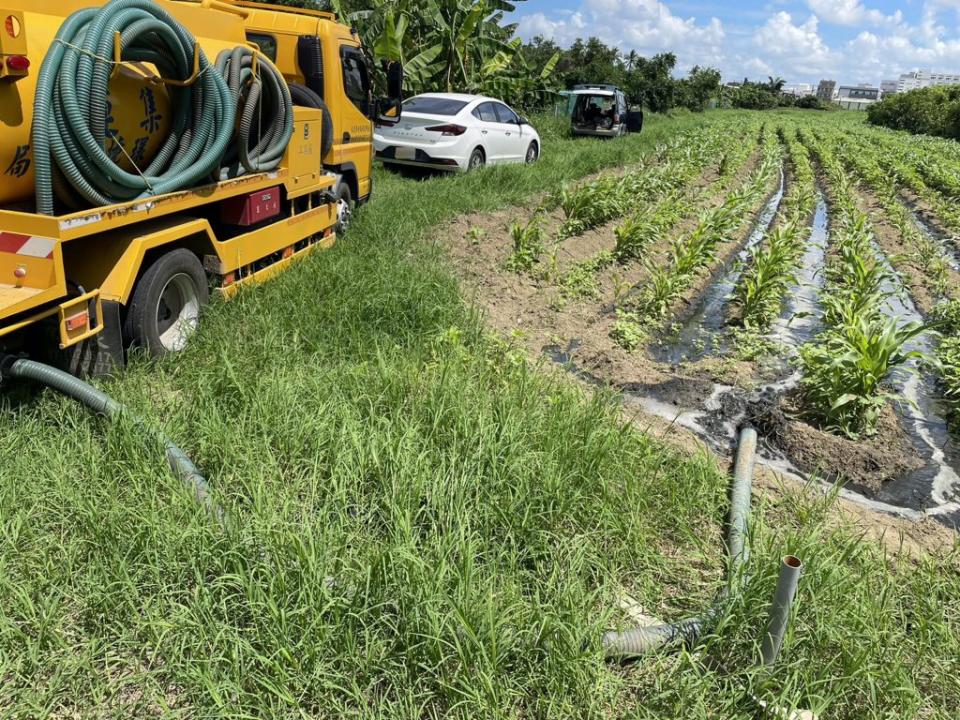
column 801, row 40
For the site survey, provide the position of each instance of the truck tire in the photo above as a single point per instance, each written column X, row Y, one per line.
column 98, row 357
column 345, row 207
column 305, row 97
column 167, row 300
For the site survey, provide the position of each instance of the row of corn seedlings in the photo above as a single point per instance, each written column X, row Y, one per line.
column 595, row 203
column 771, row 267
column 692, row 253
column 641, row 228
column 927, row 254
column 882, row 179
column 848, row 367
column 924, row 165
column 652, row 219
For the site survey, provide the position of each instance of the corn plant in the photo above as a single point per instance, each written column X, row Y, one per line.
column 846, row 369
column 689, row 254
column 527, row 245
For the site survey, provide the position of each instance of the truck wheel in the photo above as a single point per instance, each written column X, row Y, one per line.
column 345, row 207
column 166, row 303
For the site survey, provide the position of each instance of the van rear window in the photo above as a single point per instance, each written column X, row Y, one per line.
column 434, row 105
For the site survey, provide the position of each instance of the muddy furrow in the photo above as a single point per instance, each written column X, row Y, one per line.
column 801, row 317
column 703, row 324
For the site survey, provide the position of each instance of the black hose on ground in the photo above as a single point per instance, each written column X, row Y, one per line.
column 305, row 97
column 102, row 404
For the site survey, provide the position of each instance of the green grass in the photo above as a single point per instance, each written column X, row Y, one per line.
column 477, row 519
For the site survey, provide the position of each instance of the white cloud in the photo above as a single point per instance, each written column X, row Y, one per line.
column 647, row 26
column 852, row 13
column 865, row 44
column 799, row 47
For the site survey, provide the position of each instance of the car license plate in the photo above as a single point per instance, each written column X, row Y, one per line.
column 406, row 153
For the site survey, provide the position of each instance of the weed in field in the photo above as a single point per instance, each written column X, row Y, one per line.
column 475, row 235
column 628, row 331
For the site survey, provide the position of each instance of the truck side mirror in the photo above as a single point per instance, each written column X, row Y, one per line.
column 395, row 80
column 390, row 108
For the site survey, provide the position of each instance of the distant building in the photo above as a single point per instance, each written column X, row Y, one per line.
column 798, row 89
column 826, row 89
column 925, row 78
column 889, row 87
column 858, row 92
column 857, row 97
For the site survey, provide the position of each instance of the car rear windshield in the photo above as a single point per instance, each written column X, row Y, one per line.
column 434, row 105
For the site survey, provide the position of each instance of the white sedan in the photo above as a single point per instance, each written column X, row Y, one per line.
column 449, row 131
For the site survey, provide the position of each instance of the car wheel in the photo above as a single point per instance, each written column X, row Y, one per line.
column 477, row 159
column 345, row 207
column 533, row 153
column 166, row 303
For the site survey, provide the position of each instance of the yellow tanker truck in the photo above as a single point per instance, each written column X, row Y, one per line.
column 152, row 151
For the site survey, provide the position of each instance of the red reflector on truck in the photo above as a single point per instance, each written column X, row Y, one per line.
column 12, row 25
column 18, row 63
column 75, row 322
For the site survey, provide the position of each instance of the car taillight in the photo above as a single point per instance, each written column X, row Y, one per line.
column 18, row 63
column 450, row 129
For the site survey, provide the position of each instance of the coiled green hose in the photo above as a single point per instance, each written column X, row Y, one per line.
column 70, row 126
column 265, row 108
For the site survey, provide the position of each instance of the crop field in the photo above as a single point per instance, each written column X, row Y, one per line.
column 505, row 402
column 802, row 278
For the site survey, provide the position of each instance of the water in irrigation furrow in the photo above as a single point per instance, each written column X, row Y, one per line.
column 801, row 317
column 714, row 411
column 702, row 329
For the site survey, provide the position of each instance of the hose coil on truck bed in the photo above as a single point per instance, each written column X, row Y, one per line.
column 266, row 112
column 71, row 125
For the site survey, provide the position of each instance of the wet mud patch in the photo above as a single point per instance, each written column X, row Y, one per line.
column 866, row 464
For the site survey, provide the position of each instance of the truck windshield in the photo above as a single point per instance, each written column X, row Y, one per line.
column 434, row 105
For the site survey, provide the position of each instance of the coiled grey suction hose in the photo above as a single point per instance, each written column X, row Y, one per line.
column 102, row 404
column 265, row 108
column 642, row 640
column 70, row 128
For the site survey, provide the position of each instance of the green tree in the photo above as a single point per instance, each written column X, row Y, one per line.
column 591, row 62
column 650, row 83
column 700, row 87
